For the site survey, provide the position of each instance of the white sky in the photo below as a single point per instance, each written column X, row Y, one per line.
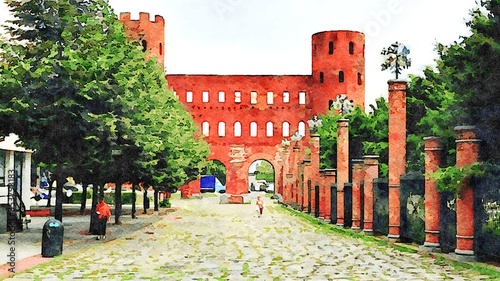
column 274, row 36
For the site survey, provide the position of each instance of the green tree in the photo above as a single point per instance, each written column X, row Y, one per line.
column 466, row 81
column 431, row 106
column 265, row 171
column 83, row 95
column 368, row 135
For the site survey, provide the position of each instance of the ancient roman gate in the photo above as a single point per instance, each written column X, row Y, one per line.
column 246, row 117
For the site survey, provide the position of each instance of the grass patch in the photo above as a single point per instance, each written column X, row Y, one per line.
column 481, row 268
column 329, row 228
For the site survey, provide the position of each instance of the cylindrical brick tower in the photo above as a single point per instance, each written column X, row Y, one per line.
column 338, row 67
column 150, row 34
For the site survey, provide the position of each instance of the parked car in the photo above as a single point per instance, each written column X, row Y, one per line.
column 219, row 187
column 270, row 188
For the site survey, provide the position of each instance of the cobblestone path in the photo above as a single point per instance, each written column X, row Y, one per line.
column 204, row 240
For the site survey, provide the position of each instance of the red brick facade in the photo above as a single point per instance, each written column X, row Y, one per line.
column 245, row 117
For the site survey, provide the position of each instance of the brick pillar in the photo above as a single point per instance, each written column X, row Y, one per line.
column 314, row 169
column 467, row 154
column 295, row 172
column 287, row 192
column 433, row 149
column 397, row 151
column 326, row 200
column 371, row 172
column 342, row 166
column 357, row 177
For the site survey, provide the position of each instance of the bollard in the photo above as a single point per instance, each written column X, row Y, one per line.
column 52, row 238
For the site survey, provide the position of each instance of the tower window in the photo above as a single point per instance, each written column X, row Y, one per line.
column 222, row 97
column 360, row 81
column 321, row 77
column 189, row 96
column 161, row 49
column 269, row 129
column 205, row 96
column 286, row 129
column 253, row 97
column 237, row 129
column 237, row 97
column 302, row 128
column 222, row 129
column 270, row 97
column 205, row 128
column 144, row 44
column 351, row 48
column 286, row 97
column 302, row 97
column 330, row 47
column 341, row 76
column 253, row 129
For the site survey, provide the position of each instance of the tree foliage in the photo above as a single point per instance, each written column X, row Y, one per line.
column 265, row 171
column 81, row 94
column 464, row 88
column 368, row 135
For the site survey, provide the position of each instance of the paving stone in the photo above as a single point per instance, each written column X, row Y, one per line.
column 206, row 240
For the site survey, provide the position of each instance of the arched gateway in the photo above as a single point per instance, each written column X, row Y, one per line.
column 246, row 117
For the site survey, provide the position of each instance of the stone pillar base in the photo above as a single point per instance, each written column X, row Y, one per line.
column 393, row 238
column 368, row 232
column 430, row 247
column 463, row 256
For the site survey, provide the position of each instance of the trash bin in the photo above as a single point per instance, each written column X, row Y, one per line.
column 52, row 238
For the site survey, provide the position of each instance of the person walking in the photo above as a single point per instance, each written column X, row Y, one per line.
column 260, row 205
column 103, row 216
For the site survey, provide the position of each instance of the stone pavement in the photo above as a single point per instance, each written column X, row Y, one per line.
column 204, row 240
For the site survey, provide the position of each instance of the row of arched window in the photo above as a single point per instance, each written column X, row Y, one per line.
column 254, row 97
column 253, row 129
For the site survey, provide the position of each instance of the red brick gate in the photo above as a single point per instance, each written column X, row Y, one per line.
column 246, row 117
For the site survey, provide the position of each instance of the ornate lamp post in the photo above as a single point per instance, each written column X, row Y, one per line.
column 314, row 124
column 396, row 58
column 343, row 104
column 296, row 137
column 285, row 143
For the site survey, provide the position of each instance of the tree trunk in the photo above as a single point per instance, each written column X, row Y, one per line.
column 156, row 199
column 118, row 202
column 145, row 200
column 101, row 191
column 93, row 217
column 83, row 205
column 133, row 201
column 51, row 182
column 58, row 213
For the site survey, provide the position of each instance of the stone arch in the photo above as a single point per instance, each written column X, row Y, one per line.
column 262, row 156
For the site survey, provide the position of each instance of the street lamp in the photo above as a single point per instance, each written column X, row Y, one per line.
column 314, row 124
column 396, row 58
column 285, row 143
column 343, row 104
column 296, row 137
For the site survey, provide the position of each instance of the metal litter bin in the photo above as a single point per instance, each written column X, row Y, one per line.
column 52, row 238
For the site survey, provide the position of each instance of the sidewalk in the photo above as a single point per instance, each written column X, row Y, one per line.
column 27, row 244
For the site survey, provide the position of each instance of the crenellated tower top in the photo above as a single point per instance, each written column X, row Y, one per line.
column 150, row 34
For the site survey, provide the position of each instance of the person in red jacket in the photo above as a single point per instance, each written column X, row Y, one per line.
column 103, row 216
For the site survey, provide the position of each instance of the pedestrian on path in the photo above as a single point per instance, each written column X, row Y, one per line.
column 260, row 205
column 103, row 216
